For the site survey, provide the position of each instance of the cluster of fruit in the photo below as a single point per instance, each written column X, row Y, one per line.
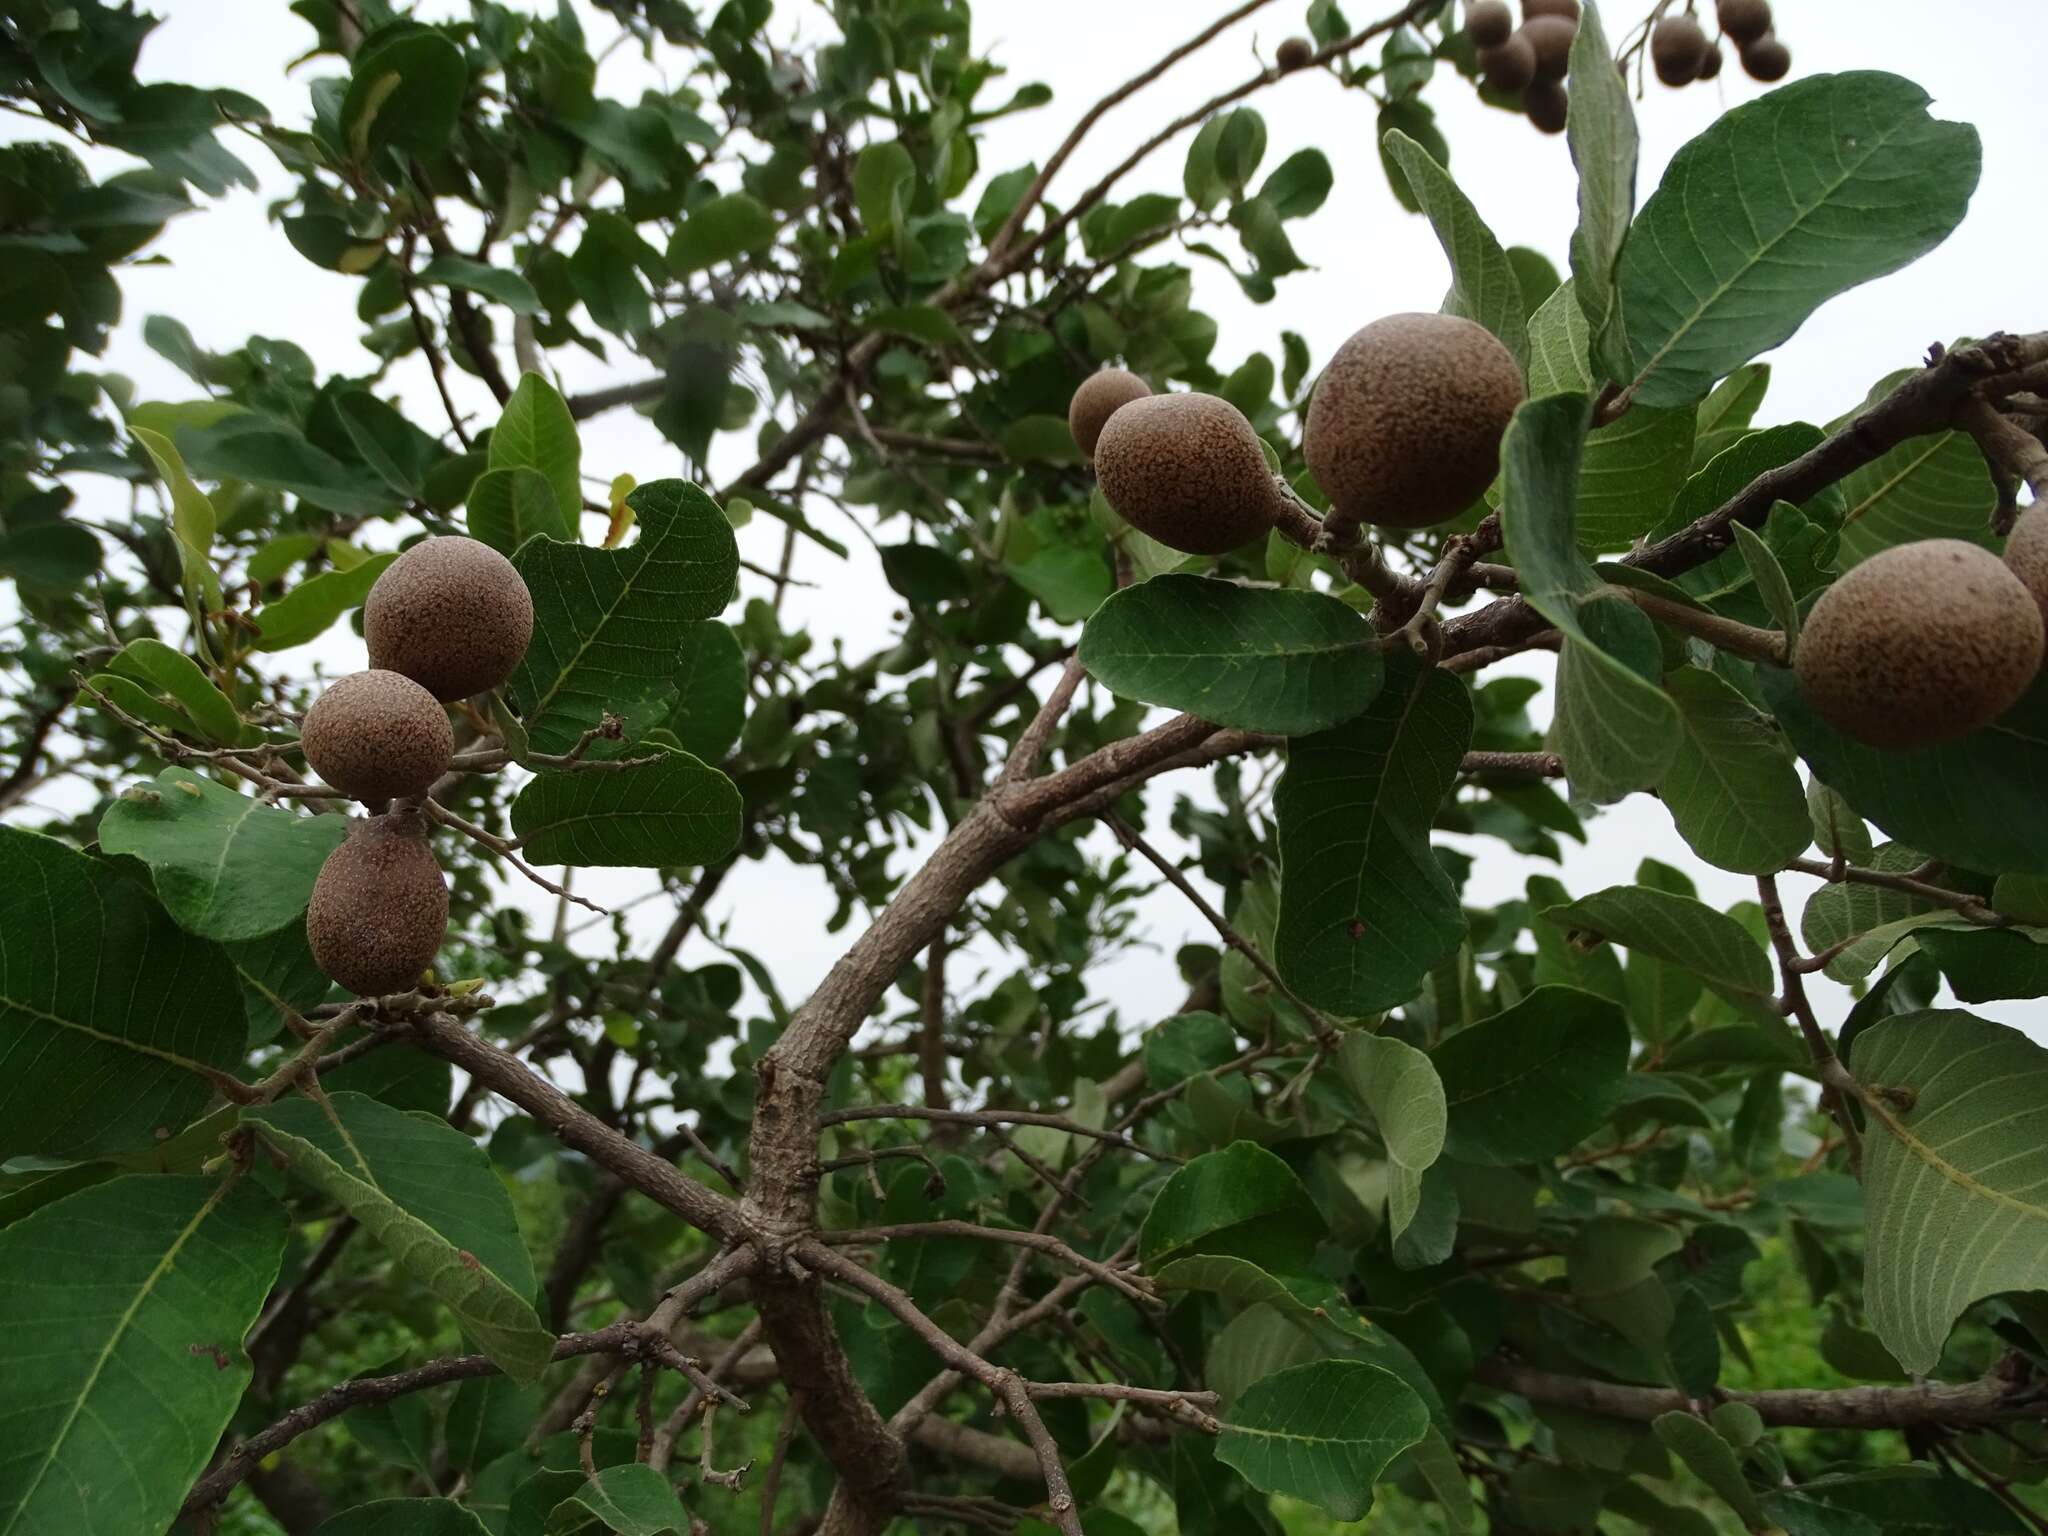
column 1404, row 431
column 1681, row 53
column 1531, row 60
column 1916, row 646
column 447, row 619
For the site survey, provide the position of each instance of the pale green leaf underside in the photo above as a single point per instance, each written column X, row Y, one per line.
column 1484, row 287
column 1731, row 787
column 122, row 1338
column 1955, row 1173
column 674, row 810
column 1534, row 1080
column 1601, row 130
column 1686, row 932
column 1323, row 1433
column 535, row 431
column 630, row 1499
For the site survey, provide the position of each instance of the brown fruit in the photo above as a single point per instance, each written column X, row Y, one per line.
column 1920, row 644
column 1551, row 37
column 1294, row 53
column 1097, row 400
column 1188, row 470
column 1710, row 63
column 1547, row 103
column 1406, row 423
column 1767, row 59
column 1568, row 9
column 1676, row 47
column 2026, row 554
column 1511, row 66
column 452, row 615
column 1744, row 21
column 1488, row 23
column 377, row 735
column 379, row 908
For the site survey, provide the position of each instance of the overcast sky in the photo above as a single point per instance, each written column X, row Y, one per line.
column 230, row 274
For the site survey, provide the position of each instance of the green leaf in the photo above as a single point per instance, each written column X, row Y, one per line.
column 882, row 174
column 126, row 1308
column 535, row 431
column 227, row 866
column 55, row 554
column 497, row 284
column 1955, row 1160
column 278, row 978
column 1881, row 915
column 1484, row 287
column 212, row 714
column 309, row 609
column 1611, row 1266
column 608, row 622
column 1974, row 803
column 1398, row 1085
column 112, row 1018
column 1366, row 910
column 430, row 1196
column 1533, row 1080
column 1299, row 184
column 1601, row 130
column 1241, row 1201
column 1772, row 585
column 406, row 93
column 506, row 507
column 404, row 1517
column 674, row 810
column 489, row 1418
column 1712, row 1460
column 1255, row 1343
column 1689, row 933
column 631, row 1499
column 1323, row 1433
column 718, row 230
column 1615, row 729
column 192, row 522
column 1290, row 663
column 920, row 322
column 1731, row 788
column 277, row 456
column 1039, row 440
column 711, row 690
column 1779, row 206
column 1983, row 965
column 1928, row 487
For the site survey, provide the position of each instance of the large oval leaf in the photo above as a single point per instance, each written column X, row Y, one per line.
column 1323, row 1432
column 673, row 810
column 1286, row 662
column 1532, row 1081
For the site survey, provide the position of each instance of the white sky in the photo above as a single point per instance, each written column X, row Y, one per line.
column 231, row 274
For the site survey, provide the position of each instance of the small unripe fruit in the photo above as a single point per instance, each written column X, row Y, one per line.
column 376, row 736
column 1405, row 426
column 379, row 907
column 1488, row 23
column 1511, row 66
column 1710, row 63
column 1919, row 645
column 1568, row 9
column 1551, row 37
column 1744, row 21
column 1767, row 59
column 452, row 615
column 1097, row 400
column 1548, row 104
column 1676, row 47
column 1294, row 53
column 2026, row 554
column 1187, row 470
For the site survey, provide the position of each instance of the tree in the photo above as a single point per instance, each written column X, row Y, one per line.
column 1470, row 1212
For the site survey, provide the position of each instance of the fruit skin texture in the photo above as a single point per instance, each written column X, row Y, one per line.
column 1551, row 37
column 1511, row 66
column 1294, row 53
column 1744, row 20
column 1766, row 59
column 379, row 908
column 1405, row 426
column 2026, row 554
column 1676, row 48
column 1097, row 400
column 377, row 735
column 1710, row 63
column 1568, row 9
column 1547, row 104
column 1187, row 470
column 451, row 614
column 1488, row 23
column 1919, row 645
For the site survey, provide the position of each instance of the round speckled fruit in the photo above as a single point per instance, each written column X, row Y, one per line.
column 1547, row 104
column 1488, row 23
column 2026, row 554
column 1744, row 21
column 1510, row 67
column 1406, row 423
column 1098, row 399
column 1677, row 46
column 1766, row 59
column 377, row 735
column 1919, row 645
column 1187, row 470
column 1294, row 53
column 1568, row 9
column 452, row 615
column 1551, row 38
column 379, row 907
